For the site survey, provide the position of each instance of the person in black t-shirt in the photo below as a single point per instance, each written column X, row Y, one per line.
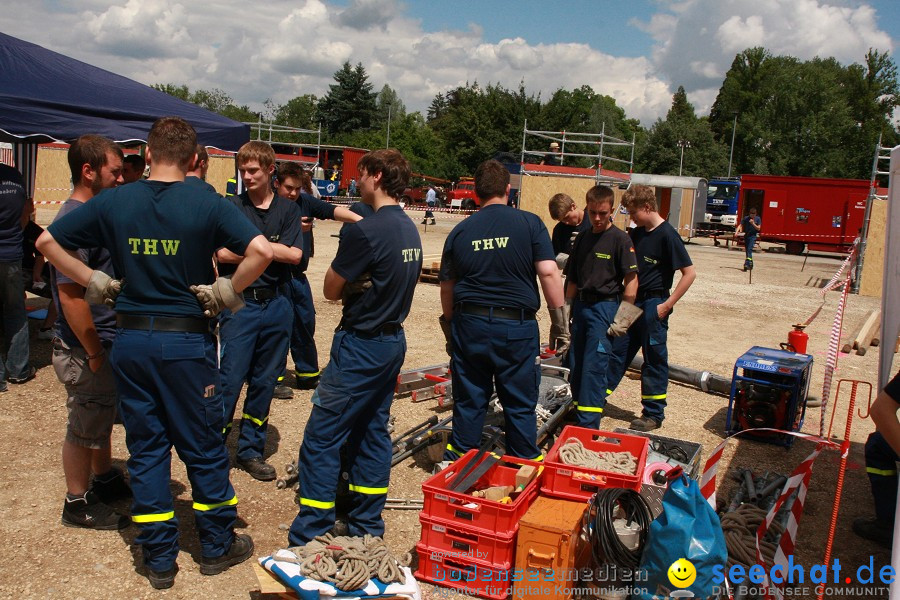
column 572, row 221
column 750, row 227
column 600, row 270
column 255, row 340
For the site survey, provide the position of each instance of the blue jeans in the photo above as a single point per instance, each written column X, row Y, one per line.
column 749, row 242
column 15, row 350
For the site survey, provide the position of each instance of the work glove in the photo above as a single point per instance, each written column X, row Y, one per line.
column 355, row 289
column 218, row 296
column 102, row 289
column 627, row 314
column 448, row 334
column 561, row 260
column 559, row 330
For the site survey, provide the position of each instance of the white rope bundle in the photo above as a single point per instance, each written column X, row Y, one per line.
column 348, row 562
column 574, row 453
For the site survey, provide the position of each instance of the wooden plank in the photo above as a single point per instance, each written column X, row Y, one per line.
column 866, row 333
column 269, row 585
column 850, row 341
column 876, row 339
column 870, row 283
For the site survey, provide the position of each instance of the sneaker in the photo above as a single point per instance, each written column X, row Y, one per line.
column 874, row 530
column 89, row 512
column 45, row 334
column 241, row 549
column 258, row 468
column 29, row 375
column 307, row 383
column 282, row 392
column 162, row 580
column 111, row 486
column 645, row 424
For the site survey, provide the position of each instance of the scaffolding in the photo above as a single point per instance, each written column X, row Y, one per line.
column 601, row 141
column 882, row 154
column 261, row 128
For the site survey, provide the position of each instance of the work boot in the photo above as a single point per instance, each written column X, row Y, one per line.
column 258, row 468
column 162, row 580
column 307, row 383
column 433, row 222
column 111, row 486
column 241, row 549
column 282, row 392
column 424, row 221
column 874, row 530
column 645, row 424
column 89, row 512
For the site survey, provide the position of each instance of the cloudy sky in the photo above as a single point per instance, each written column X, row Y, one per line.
column 637, row 51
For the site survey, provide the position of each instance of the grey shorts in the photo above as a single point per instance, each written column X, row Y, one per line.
column 91, row 397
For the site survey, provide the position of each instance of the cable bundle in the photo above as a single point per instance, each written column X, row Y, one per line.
column 606, row 547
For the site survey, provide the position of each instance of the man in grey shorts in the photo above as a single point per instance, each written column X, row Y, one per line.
column 84, row 335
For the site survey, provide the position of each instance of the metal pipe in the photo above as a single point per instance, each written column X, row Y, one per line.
column 710, row 383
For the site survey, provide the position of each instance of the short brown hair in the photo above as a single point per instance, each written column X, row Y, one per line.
column 202, row 155
column 491, row 180
column 172, row 141
column 136, row 161
column 559, row 205
column 92, row 150
column 290, row 169
column 392, row 165
column 600, row 194
column 638, row 196
column 261, row 152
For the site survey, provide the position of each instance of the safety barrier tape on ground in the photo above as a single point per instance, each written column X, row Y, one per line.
column 349, row 200
column 799, row 479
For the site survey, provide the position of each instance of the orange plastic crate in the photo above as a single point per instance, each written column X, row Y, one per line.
column 478, row 514
column 580, row 483
column 460, row 541
column 472, row 577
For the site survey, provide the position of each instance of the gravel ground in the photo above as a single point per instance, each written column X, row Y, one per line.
column 719, row 319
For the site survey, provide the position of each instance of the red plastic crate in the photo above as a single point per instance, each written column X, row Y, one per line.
column 475, row 578
column 477, row 514
column 580, row 483
column 466, row 543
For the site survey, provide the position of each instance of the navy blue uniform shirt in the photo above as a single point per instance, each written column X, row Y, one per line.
column 491, row 257
column 660, row 253
column 199, row 183
column 280, row 223
column 750, row 225
column 600, row 261
column 162, row 237
column 387, row 246
column 12, row 202
column 310, row 206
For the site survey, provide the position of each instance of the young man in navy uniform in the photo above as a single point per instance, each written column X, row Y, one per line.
column 375, row 271
column 601, row 282
column 255, row 341
column 196, row 175
column 572, row 221
column 489, row 296
column 660, row 252
column 162, row 234
column 303, row 331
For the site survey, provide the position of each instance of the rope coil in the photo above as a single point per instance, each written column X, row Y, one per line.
column 348, row 562
column 573, row 452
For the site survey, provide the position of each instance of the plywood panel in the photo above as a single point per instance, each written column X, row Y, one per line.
column 221, row 169
column 873, row 266
column 535, row 192
column 52, row 182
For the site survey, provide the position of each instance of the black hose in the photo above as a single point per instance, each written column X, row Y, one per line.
column 606, row 547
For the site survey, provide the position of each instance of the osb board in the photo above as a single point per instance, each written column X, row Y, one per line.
column 535, row 192
column 53, row 180
column 221, row 169
column 686, row 217
column 873, row 266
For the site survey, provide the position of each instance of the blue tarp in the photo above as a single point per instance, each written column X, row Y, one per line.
column 46, row 97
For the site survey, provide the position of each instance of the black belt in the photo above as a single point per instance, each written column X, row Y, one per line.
column 589, row 297
column 652, row 294
column 185, row 324
column 517, row 314
column 260, row 293
column 386, row 329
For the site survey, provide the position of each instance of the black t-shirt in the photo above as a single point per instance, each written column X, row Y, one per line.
column 162, row 237
column 750, row 225
column 562, row 234
column 387, row 246
column 491, row 257
column 30, row 235
column 280, row 223
column 659, row 253
column 360, row 208
column 600, row 261
column 197, row 182
column 12, row 203
column 892, row 389
column 310, row 206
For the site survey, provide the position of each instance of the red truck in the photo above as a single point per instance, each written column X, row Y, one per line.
column 463, row 195
column 824, row 214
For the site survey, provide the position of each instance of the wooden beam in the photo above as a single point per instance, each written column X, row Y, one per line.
column 867, row 332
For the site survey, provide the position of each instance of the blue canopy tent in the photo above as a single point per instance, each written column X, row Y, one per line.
column 48, row 97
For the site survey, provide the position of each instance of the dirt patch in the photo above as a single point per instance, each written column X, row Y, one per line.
column 720, row 318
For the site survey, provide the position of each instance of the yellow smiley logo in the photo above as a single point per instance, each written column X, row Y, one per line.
column 682, row 573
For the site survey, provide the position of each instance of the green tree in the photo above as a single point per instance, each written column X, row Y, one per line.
column 349, row 104
column 214, row 100
column 388, row 103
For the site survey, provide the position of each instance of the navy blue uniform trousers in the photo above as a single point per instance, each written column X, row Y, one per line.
column 352, row 404
column 749, row 243
column 881, row 466
column 489, row 350
column 303, row 331
column 254, row 343
column 649, row 335
column 591, row 351
column 168, row 396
